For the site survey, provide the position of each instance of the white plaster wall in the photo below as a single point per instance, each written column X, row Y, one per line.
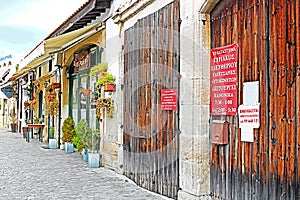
column 194, row 103
column 113, row 134
column 140, row 12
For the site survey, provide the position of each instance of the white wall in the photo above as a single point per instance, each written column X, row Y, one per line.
column 112, row 138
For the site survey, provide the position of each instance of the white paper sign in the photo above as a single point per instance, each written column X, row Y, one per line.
column 249, row 117
column 251, row 93
column 247, row 134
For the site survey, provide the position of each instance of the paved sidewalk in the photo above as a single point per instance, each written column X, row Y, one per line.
column 28, row 171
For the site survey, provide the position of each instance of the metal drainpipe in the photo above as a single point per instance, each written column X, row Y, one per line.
column 59, row 105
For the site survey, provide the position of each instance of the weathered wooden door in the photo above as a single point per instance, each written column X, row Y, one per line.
column 150, row 133
column 268, row 35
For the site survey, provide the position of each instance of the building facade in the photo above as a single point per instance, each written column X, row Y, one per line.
column 176, row 126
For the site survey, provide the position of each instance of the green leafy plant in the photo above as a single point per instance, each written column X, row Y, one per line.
column 108, row 78
column 87, row 138
column 13, row 121
column 101, row 67
column 13, row 118
column 37, row 120
column 94, row 141
column 51, row 133
column 68, row 130
column 78, row 143
column 82, row 132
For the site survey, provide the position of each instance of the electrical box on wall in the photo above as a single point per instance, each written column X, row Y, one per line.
column 219, row 132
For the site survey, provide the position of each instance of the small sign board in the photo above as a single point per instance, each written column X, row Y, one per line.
column 249, row 116
column 248, row 120
column 224, row 80
column 169, row 99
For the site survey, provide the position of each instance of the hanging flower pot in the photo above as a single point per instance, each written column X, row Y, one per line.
column 56, row 85
column 26, row 103
column 109, row 87
column 32, row 103
column 51, row 96
column 86, row 92
column 50, row 99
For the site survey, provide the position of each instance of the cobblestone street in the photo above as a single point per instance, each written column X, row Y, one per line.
column 29, row 171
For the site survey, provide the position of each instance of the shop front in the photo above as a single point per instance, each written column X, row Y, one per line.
column 83, row 90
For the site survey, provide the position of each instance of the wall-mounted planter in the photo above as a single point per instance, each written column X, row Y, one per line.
column 86, row 92
column 26, row 104
column 56, row 85
column 69, row 147
column 109, row 87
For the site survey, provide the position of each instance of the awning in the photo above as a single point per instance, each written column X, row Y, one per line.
column 2, row 95
column 34, row 63
column 7, row 90
column 43, row 79
column 57, row 43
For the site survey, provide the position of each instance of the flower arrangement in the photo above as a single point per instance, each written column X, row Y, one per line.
column 102, row 104
column 32, row 103
column 27, row 105
column 53, row 107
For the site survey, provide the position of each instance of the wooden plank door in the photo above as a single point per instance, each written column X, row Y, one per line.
column 268, row 35
column 150, row 133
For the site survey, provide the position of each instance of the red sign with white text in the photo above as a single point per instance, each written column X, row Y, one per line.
column 224, row 80
column 169, row 99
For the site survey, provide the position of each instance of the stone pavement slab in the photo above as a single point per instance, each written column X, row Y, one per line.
column 29, row 171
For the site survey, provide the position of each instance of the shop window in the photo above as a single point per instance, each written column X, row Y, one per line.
column 50, row 65
column 84, row 91
column 39, row 71
column 93, row 57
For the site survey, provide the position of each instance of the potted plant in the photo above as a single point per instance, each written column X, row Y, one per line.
column 52, row 140
column 86, row 92
column 68, row 130
column 32, row 103
column 82, row 132
column 98, row 69
column 107, row 81
column 36, row 120
column 94, row 146
column 26, row 105
column 104, row 104
column 13, row 121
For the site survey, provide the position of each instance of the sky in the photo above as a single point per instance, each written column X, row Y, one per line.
column 25, row 23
